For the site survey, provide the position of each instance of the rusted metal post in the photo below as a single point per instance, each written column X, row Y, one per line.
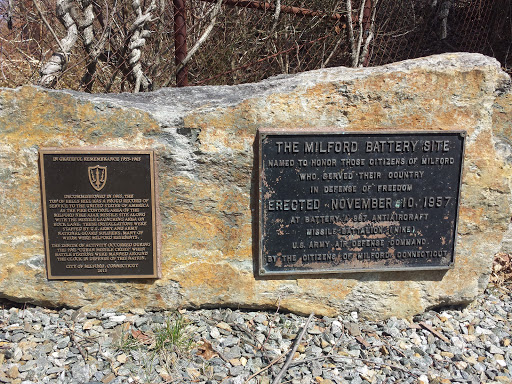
column 180, row 42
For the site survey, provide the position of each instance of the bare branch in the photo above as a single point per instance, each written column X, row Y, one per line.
column 203, row 37
column 278, row 358
column 55, row 66
column 38, row 7
column 351, row 39
column 359, row 41
column 277, row 379
column 8, row 14
column 443, row 13
column 277, row 13
column 338, row 43
column 366, row 48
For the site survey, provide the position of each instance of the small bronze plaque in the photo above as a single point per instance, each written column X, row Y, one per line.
column 350, row 202
column 99, row 214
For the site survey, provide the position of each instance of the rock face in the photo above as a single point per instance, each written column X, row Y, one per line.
column 204, row 138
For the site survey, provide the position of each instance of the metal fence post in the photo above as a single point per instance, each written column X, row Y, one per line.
column 180, row 42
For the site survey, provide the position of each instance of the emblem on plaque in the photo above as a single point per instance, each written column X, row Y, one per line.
column 97, row 177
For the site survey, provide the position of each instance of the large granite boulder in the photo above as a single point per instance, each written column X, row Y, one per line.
column 204, row 138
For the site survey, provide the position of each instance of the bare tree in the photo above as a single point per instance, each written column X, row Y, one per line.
column 78, row 18
column 129, row 45
column 361, row 30
column 54, row 67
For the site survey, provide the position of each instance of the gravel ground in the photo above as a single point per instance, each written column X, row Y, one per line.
column 470, row 345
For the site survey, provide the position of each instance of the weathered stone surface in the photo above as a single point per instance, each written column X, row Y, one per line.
column 502, row 123
column 204, row 139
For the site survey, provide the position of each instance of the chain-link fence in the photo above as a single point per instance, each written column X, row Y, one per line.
column 126, row 45
column 253, row 40
column 420, row 28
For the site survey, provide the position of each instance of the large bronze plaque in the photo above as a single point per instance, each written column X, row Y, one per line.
column 99, row 214
column 349, row 202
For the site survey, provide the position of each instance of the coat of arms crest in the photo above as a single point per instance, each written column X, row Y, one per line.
column 97, row 177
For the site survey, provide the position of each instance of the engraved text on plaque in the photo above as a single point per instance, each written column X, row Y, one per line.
column 344, row 202
column 99, row 214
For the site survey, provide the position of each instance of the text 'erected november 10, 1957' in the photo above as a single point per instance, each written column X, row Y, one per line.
column 342, row 202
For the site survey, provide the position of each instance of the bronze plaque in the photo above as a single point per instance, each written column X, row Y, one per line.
column 99, row 213
column 333, row 202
